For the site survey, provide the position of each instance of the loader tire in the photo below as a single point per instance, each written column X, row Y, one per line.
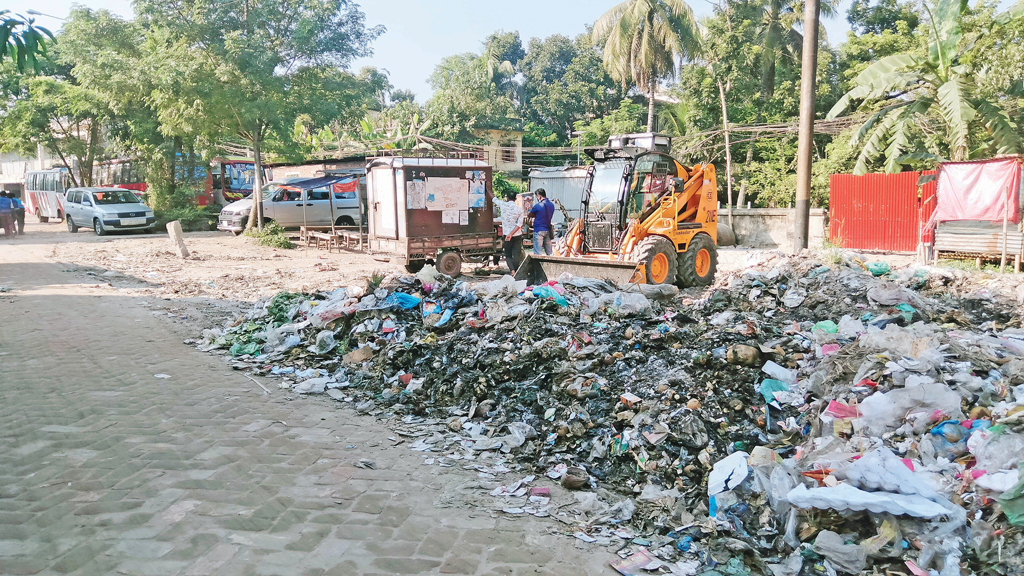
column 658, row 256
column 698, row 264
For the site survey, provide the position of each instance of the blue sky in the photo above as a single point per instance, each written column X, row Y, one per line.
column 421, row 33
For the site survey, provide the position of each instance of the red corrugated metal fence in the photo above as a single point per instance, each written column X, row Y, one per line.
column 879, row 211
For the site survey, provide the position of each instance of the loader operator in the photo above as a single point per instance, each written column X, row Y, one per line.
column 542, row 213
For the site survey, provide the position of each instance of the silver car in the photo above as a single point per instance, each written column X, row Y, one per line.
column 106, row 210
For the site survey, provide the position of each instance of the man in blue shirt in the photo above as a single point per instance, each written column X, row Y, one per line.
column 6, row 214
column 542, row 212
column 18, row 213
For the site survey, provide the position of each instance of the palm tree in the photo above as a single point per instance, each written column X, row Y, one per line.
column 779, row 39
column 933, row 91
column 642, row 40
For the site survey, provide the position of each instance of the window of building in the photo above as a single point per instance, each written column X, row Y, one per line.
column 508, row 151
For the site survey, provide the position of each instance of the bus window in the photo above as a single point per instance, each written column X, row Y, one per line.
column 49, row 183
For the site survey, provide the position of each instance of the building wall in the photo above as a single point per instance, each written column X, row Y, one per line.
column 498, row 139
column 13, row 167
column 772, row 227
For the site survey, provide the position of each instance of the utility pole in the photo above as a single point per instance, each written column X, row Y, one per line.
column 805, row 147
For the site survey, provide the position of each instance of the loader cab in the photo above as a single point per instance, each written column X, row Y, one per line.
column 623, row 183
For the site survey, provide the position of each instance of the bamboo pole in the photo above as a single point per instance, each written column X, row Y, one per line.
column 1006, row 217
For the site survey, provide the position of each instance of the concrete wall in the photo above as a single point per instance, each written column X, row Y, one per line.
column 772, row 227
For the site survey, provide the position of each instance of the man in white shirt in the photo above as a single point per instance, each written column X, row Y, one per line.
column 513, row 218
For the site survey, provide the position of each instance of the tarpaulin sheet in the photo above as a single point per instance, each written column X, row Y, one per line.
column 978, row 190
column 314, row 183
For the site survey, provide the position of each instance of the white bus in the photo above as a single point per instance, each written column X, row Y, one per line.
column 44, row 193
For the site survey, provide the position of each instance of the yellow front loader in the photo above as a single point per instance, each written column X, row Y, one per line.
column 644, row 218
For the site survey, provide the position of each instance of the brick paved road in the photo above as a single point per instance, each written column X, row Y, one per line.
column 105, row 469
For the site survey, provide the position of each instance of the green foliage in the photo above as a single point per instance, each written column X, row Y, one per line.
column 22, row 42
column 271, row 235
column 564, row 83
column 883, row 17
column 505, row 188
column 626, row 119
column 929, row 103
column 191, row 216
column 465, row 98
column 280, row 305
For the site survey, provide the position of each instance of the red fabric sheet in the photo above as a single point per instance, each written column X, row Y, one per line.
column 978, row 190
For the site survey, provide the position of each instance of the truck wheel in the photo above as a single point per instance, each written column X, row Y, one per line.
column 450, row 263
column 659, row 258
column 414, row 266
column 698, row 264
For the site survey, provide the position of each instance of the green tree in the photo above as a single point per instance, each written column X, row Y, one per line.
column 465, row 98
column 22, row 41
column 780, row 41
column 642, row 40
column 625, row 119
column 245, row 67
column 60, row 115
column 867, row 19
column 928, row 104
column 565, row 82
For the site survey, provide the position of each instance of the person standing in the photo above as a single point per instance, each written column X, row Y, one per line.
column 542, row 213
column 512, row 220
column 18, row 213
column 6, row 214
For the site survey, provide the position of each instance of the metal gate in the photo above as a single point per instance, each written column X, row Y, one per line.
column 879, row 211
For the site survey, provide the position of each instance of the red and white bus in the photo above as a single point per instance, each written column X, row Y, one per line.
column 226, row 180
column 44, row 193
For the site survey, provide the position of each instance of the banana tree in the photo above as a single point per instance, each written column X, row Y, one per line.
column 920, row 94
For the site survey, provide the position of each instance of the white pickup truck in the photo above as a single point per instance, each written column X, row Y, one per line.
column 291, row 208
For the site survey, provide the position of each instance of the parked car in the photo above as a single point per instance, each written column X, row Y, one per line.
column 106, row 210
column 291, row 208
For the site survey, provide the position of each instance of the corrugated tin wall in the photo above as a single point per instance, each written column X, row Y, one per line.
column 879, row 211
column 564, row 186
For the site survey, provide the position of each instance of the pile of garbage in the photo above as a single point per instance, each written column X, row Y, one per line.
column 796, row 418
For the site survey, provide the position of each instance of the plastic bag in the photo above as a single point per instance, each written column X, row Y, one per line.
column 325, row 342
column 769, row 387
column 850, row 327
column 728, row 473
column 794, row 297
column 655, row 291
column 624, row 303
column 549, row 292
column 779, row 373
column 825, row 326
column 504, row 287
column 998, row 449
column 1012, row 501
column 885, row 411
column 849, row 558
column 877, row 268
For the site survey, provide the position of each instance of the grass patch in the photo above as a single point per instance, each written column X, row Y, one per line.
column 272, row 236
column 373, row 282
column 831, row 253
column 970, row 265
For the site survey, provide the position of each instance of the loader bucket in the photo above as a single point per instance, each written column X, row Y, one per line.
column 539, row 269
